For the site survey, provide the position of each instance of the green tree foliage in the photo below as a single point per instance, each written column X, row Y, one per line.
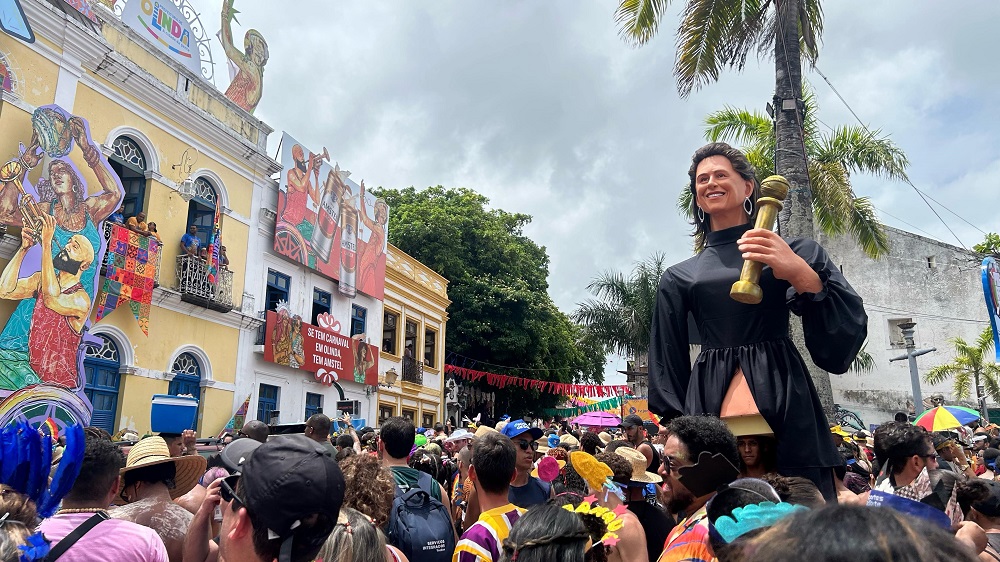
column 990, row 246
column 833, row 157
column 622, row 313
column 501, row 313
column 974, row 365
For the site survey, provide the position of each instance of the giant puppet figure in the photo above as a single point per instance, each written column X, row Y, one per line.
column 746, row 352
column 247, row 83
column 53, row 274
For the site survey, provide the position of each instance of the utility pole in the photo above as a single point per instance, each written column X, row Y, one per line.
column 911, row 354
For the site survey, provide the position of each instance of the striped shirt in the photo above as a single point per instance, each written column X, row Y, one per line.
column 482, row 541
column 689, row 542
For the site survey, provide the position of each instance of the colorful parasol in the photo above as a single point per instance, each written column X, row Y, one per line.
column 946, row 417
column 597, row 419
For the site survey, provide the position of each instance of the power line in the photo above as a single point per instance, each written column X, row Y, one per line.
column 906, row 179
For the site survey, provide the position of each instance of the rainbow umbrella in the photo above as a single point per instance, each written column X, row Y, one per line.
column 946, row 417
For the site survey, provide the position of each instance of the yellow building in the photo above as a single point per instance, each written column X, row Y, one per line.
column 411, row 383
column 182, row 150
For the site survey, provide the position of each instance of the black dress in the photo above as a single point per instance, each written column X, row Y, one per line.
column 755, row 339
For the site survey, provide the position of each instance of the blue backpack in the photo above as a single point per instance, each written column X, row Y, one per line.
column 419, row 524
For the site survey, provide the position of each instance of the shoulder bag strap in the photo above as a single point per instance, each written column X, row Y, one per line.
column 69, row 540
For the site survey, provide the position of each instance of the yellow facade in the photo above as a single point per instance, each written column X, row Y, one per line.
column 124, row 87
column 416, row 296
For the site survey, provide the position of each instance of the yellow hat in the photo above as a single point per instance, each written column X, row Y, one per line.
column 837, row 430
column 593, row 471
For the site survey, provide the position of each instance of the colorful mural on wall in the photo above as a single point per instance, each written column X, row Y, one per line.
column 246, row 68
column 322, row 350
column 329, row 223
column 54, row 272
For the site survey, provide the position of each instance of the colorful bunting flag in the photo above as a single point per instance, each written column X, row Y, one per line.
column 131, row 263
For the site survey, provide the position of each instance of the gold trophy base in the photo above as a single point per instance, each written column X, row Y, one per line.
column 746, row 292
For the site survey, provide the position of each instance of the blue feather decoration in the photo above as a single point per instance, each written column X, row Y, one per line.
column 27, row 439
column 65, row 476
column 41, row 464
column 8, row 437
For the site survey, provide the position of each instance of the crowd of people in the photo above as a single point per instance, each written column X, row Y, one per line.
column 519, row 490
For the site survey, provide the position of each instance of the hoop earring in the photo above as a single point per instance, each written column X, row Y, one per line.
column 748, row 206
column 701, row 214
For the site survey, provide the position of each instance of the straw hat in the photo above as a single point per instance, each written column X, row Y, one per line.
column 639, row 462
column 605, row 437
column 484, row 430
column 543, row 445
column 153, row 450
column 567, row 441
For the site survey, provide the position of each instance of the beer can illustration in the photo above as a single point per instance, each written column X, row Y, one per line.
column 348, row 251
column 326, row 225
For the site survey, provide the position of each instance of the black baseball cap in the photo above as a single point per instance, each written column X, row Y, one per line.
column 990, row 506
column 235, row 454
column 630, row 420
column 286, row 480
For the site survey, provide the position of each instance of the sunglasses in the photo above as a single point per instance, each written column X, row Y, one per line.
column 525, row 445
column 228, row 491
column 670, row 464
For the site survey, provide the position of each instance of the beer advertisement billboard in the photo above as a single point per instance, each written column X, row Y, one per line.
column 329, row 355
column 330, row 223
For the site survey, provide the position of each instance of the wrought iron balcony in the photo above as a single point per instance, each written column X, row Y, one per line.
column 413, row 370
column 262, row 329
column 195, row 288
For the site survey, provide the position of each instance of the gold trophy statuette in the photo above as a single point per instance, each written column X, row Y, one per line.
column 773, row 191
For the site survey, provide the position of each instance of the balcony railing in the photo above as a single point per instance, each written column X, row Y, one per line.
column 262, row 329
column 108, row 226
column 195, row 288
column 413, row 370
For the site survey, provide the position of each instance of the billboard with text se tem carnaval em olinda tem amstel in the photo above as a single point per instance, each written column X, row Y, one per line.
column 330, row 223
column 322, row 350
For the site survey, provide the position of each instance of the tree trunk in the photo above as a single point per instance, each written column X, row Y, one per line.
column 796, row 219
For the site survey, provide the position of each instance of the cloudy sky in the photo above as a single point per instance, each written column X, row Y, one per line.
column 544, row 109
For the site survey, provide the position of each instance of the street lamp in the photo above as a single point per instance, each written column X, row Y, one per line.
column 911, row 354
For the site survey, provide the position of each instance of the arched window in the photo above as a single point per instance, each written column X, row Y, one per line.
column 101, row 366
column 129, row 162
column 201, row 210
column 187, row 378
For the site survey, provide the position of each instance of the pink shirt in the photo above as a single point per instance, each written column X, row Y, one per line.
column 114, row 539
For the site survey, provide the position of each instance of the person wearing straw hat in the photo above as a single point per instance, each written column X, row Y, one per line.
column 151, row 480
column 652, row 516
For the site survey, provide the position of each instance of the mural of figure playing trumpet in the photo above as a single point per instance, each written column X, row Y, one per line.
column 54, row 273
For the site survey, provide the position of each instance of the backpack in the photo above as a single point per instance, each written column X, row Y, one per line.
column 419, row 524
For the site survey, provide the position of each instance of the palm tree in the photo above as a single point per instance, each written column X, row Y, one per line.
column 622, row 313
column 833, row 158
column 973, row 365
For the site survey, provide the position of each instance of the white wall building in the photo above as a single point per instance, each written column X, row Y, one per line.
column 937, row 286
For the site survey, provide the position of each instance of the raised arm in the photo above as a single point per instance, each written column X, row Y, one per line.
column 234, row 54
column 10, row 286
column 100, row 206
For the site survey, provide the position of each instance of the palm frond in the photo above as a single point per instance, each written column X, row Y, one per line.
column 864, row 362
column 985, row 341
column 867, row 230
column 962, row 384
column 992, row 385
column 832, row 196
column 639, row 20
column 685, row 203
column 862, row 151
column 705, row 40
column 738, row 126
column 941, row 373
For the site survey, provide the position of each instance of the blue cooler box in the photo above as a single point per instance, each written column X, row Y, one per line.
column 172, row 414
